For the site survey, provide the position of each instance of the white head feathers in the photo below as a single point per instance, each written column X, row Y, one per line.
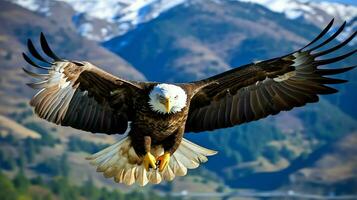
column 167, row 98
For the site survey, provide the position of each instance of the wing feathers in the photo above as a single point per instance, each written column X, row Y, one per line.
column 323, row 72
column 77, row 94
column 32, row 63
column 35, row 75
column 335, row 59
column 35, row 53
column 234, row 110
column 342, row 44
column 46, row 48
column 228, row 109
column 340, row 29
column 323, row 32
column 268, row 87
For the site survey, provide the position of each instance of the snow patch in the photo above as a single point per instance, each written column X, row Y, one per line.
column 299, row 8
column 318, row 13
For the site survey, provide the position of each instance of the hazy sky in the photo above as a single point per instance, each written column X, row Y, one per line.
column 352, row 2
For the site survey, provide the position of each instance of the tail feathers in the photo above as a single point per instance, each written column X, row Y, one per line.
column 119, row 161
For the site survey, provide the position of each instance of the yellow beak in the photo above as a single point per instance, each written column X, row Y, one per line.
column 167, row 105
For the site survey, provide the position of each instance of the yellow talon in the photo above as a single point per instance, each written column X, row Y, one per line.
column 163, row 161
column 149, row 161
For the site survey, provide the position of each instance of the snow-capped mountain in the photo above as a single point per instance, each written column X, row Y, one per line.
column 102, row 20
column 121, row 15
column 318, row 13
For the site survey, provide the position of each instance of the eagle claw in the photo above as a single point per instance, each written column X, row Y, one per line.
column 163, row 161
column 149, row 161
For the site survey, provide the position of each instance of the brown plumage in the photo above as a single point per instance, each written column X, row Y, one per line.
column 80, row 95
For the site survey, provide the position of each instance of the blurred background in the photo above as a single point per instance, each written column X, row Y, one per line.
column 308, row 152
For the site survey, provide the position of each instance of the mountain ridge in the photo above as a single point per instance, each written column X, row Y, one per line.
column 101, row 21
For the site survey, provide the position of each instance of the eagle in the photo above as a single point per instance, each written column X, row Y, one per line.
column 155, row 116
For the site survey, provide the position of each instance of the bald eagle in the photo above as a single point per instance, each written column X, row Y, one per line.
column 157, row 115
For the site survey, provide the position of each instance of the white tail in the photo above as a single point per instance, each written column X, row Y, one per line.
column 122, row 163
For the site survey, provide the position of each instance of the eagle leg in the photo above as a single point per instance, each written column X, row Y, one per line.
column 149, row 161
column 163, row 161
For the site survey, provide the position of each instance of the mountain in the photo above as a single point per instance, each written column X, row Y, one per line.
column 9, row 126
column 103, row 20
column 315, row 12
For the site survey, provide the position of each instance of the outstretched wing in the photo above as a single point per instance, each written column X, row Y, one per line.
column 254, row 91
column 80, row 95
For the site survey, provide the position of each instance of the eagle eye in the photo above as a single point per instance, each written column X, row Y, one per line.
column 161, row 98
column 176, row 97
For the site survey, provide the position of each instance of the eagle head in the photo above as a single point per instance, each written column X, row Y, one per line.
column 167, row 98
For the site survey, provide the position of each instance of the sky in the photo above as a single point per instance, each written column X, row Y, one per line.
column 352, row 2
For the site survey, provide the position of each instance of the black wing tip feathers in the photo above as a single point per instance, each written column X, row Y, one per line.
column 46, row 48
column 335, row 59
column 35, row 54
column 329, row 39
column 335, row 81
column 332, row 20
column 322, row 33
column 339, row 30
column 27, row 71
column 329, row 90
column 30, row 85
column 326, row 41
column 340, row 45
column 334, row 71
column 29, row 61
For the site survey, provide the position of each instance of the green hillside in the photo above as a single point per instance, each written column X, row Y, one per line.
column 22, row 188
